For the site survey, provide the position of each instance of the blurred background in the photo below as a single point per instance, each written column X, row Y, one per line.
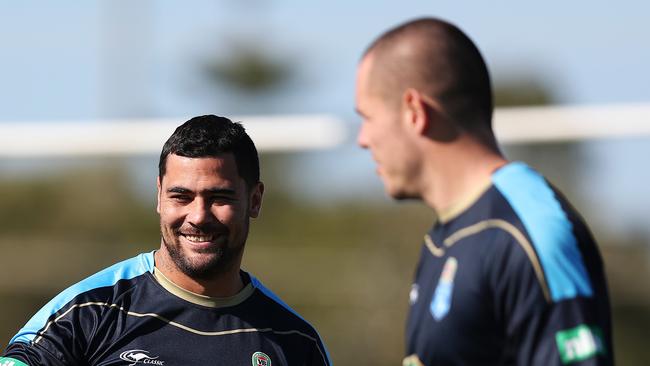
column 328, row 241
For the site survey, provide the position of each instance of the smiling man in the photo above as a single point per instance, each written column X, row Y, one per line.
column 188, row 303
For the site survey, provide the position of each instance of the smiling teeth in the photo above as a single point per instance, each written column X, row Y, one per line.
column 198, row 238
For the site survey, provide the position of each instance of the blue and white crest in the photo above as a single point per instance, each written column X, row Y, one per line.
column 441, row 302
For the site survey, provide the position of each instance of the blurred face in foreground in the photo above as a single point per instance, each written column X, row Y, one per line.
column 204, row 208
column 385, row 132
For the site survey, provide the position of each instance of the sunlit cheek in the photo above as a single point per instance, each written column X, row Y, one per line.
column 171, row 213
column 225, row 214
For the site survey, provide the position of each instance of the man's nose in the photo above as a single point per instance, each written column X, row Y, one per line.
column 362, row 137
column 199, row 212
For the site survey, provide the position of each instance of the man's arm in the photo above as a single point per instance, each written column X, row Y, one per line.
column 320, row 356
column 541, row 327
column 20, row 354
column 53, row 336
column 8, row 361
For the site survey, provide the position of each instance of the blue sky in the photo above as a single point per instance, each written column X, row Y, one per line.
column 81, row 60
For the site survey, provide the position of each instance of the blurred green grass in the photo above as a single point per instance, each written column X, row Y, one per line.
column 346, row 267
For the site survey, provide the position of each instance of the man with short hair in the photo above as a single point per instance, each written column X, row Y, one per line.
column 188, row 303
column 509, row 274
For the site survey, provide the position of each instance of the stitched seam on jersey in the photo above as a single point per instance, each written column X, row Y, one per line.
column 178, row 325
column 436, row 251
column 128, row 269
column 519, row 237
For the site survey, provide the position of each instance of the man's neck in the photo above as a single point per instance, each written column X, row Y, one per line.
column 456, row 171
column 225, row 284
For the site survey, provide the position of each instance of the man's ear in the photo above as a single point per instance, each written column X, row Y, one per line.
column 415, row 110
column 255, row 200
column 425, row 116
column 159, row 186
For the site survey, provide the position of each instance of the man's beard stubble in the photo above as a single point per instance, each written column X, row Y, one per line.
column 224, row 258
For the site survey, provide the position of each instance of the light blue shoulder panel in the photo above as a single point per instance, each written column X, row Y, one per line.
column 127, row 269
column 551, row 232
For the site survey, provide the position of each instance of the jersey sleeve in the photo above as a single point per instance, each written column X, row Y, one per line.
column 319, row 356
column 540, row 327
column 25, row 354
column 57, row 340
column 553, row 293
column 63, row 331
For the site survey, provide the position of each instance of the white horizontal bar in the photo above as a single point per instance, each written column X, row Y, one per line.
column 567, row 123
column 147, row 136
column 302, row 132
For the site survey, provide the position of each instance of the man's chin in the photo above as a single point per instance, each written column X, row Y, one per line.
column 202, row 263
column 202, row 269
column 208, row 263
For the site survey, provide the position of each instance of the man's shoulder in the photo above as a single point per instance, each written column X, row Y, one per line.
column 557, row 235
column 277, row 315
column 109, row 277
column 530, row 194
column 538, row 208
column 271, row 305
column 96, row 288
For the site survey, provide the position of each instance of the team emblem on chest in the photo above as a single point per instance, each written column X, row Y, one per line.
column 261, row 359
column 414, row 294
column 441, row 302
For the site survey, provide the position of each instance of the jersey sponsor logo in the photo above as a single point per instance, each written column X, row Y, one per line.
column 579, row 343
column 441, row 302
column 136, row 356
column 6, row 361
column 412, row 360
column 413, row 294
column 261, row 359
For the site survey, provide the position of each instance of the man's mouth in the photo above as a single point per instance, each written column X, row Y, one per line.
column 198, row 238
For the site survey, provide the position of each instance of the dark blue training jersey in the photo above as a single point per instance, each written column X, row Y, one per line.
column 130, row 314
column 512, row 277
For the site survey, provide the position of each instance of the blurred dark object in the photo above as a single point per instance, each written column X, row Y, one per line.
column 250, row 69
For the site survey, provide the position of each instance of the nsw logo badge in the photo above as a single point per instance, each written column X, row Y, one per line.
column 441, row 302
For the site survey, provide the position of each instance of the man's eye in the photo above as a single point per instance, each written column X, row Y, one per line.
column 181, row 198
column 221, row 200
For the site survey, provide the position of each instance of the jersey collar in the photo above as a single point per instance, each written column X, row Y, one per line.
column 464, row 203
column 213, row 302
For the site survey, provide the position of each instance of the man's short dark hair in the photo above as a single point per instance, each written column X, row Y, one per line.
column 439, row 60
column 211, row 136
